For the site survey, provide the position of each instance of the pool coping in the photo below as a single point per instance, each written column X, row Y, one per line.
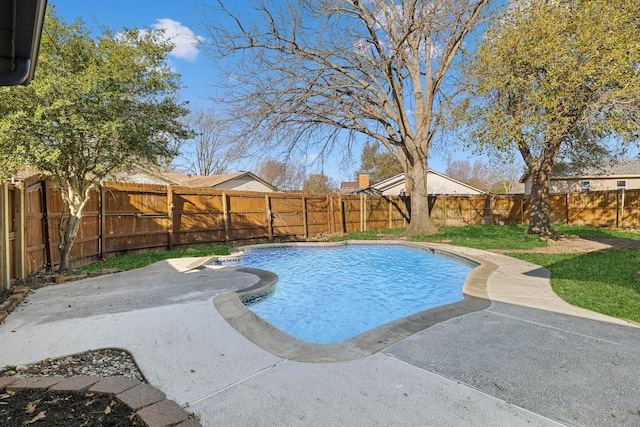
column 279, row 343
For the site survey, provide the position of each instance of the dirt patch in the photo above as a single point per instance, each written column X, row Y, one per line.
column 5, row 294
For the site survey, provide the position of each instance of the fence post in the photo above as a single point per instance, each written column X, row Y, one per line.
column 491, row 208
column 103, row 219
column 225, row 216
column 267, row 200
column 330, row 216
column 621, row 221
column 363, row 212
column 304, row 217
column 170, row 206
column 445, row 203
column 45, row 225
column 19, row 244
column 343, row 222
column 405, row 212
column 5, row 255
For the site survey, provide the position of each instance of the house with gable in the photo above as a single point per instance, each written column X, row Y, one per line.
column 437, row 183
column 239, row 181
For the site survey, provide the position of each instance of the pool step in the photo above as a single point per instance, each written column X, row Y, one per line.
column 224, row 260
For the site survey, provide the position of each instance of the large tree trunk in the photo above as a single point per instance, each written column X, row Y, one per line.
column 420, row 221
column 69, row 233
column 540, row 210
column 75, row 194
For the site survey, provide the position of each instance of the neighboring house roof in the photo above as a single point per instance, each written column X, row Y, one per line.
column 136, row 175
column 608, row 169
column 348, row 186
column 25, row 172
column 141, row 176
column 388, row 183
column 213, row 181
column 399, row 180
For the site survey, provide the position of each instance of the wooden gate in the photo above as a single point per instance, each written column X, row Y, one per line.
column 12, row 233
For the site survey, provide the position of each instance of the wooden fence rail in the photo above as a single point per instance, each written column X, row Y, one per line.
column 126, row 218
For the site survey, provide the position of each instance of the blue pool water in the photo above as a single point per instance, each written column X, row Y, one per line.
column 331, row 295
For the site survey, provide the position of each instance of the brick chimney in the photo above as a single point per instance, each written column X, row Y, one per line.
column 363, row 180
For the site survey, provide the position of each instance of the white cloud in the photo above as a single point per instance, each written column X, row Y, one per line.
column 185, row 40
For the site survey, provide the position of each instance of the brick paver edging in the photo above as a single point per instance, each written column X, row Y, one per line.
column 149, row 403
column 19, row 293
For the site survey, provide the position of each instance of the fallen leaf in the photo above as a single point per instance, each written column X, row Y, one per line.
column 34, row 419
column 107, row 410
column 89, row 403
column 31, row 406
column 5, row 396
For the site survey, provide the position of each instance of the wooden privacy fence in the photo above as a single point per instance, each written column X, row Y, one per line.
column 138, row 217
column 125, row 218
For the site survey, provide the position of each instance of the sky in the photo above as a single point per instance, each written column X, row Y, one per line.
column 182, row 21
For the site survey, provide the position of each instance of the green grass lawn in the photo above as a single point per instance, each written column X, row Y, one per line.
column 129, row 262
column 589, row 231
column 502, row 237
column 367, row 235
column 603, row 281
column 487, row 237
column 476, row 236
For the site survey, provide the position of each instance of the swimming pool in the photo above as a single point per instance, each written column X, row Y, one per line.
column 333, row 294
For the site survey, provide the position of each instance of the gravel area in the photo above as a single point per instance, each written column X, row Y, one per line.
column 101, row 363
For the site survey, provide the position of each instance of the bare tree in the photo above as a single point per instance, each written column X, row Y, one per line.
column 318, row 183
column 507, row 175
column 283, row 176
column 476, row 174
column 323, row 71
column 213, row 149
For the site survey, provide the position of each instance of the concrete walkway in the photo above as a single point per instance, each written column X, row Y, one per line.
column 527, row 359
